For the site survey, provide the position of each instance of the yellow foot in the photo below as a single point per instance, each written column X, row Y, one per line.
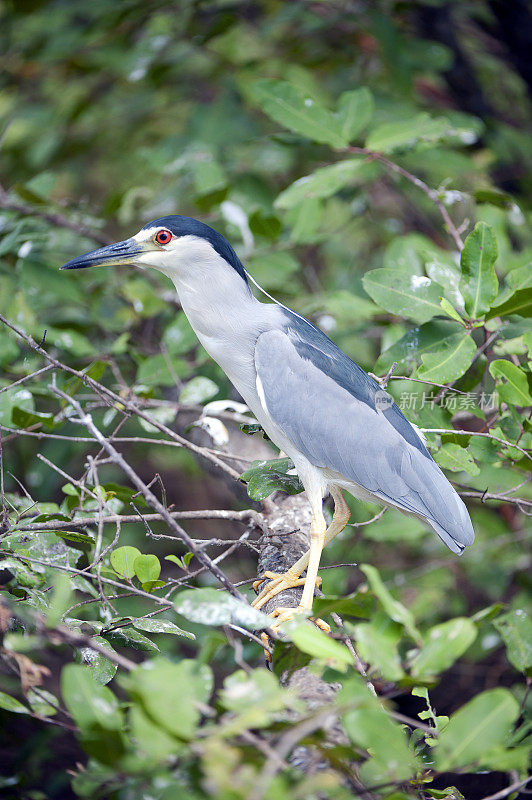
column 287, row 614
column 277, row 583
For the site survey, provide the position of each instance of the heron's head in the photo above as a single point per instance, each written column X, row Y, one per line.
column 181, row 247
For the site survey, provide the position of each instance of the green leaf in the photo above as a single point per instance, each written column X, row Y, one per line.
column 102, row 668
column 324, row 182
column 123, row 493
column 19, row 398
column 406, row 134
column 515, row 628
column 127, row 637
column 481, row 725
column 151, row 738
column 316, row 643
column 519, row 303
column 152, row 625
column 61, row 599
column 360, row 605
column 123, row 559
column 395, row 610
column 512, row 383
column 265, row 477
column 41, row 702
column 456, row 458
column 147, row 568
column 355, row 109
column 369, row 726
column 76, row 537
column 413, row 296
column 208, row 175
column 442, row 646
column 479, row 284
column 161, row 370
column 267, row 225
column 163, row 414
column 377, row 644
column 256, row 698
column 211, row 607
column 450, row 360
column 275, row 271
column 450, row 310
column 170, row 694
column 94, row 371
column 9, row 703
column 150, row 586
column 495, row 197
column 298, row 112
column 88, row 701
column 179, row 337
column 23, row 418
column 197, row 391
column 408, row 350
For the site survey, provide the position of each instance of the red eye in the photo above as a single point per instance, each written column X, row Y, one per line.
column 163, row 237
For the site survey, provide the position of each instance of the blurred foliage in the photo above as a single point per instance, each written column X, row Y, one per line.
column 331, row 143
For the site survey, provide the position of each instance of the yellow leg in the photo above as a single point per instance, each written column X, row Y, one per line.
column 319, row 538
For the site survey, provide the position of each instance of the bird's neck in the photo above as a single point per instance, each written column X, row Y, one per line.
column 218, row 303
column 226, row 318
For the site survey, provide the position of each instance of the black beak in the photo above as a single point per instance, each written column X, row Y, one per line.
column 119, row 253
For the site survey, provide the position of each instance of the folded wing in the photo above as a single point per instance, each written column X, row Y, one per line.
column 325, row 404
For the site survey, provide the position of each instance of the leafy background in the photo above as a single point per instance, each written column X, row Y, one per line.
column 347, row 150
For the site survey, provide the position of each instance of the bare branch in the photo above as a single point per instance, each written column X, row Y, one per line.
column 87, row 421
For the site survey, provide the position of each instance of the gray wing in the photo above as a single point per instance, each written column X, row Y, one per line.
column 318, row 397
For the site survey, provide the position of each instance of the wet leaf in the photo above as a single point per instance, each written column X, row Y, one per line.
column 479, row 284
column 512, row 383
column 161, row 687
column 211, row 607
column 406, row 134
column 324, row 182
column 298, row 112
column 154, row 625
column 9, row 703
column 265, row 477
column 412, row 296
column 442, row 646
column 88, row 701
column 198, row 390
column 515, row 628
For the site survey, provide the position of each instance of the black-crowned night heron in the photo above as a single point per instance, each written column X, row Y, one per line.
column 334, row 421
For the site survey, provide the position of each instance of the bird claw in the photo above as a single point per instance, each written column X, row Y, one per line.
column 283, row 615
column 277, row 583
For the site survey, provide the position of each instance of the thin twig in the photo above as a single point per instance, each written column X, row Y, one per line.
column 120, row 402
column 509, row 789
column 81, row 522
column 87, row 421
column 431, row 193
column 477, row 433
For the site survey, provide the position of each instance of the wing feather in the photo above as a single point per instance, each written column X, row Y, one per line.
column 327, row 410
